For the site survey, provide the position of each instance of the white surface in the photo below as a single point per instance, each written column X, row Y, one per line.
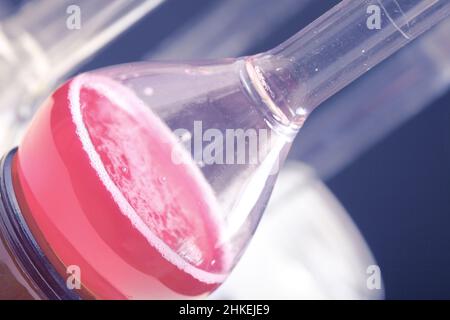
column 306, row 247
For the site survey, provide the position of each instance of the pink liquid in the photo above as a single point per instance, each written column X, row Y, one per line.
column 96, row 182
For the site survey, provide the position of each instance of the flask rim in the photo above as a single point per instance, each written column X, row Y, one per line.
column 19, row 239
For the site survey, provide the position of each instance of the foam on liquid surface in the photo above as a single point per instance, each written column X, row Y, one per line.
column 170, row 204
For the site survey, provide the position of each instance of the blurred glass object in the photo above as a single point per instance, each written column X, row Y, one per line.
column 306, row 247
column 39, row 47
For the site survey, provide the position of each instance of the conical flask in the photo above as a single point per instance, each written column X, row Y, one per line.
column 148, row 180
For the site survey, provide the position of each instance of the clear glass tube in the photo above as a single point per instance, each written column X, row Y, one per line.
column 364, row 113
column 335, row 49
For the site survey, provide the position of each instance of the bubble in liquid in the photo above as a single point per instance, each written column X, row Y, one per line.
column 300, row 111
column 162, row 180
column 200, row 163
column 148, row 91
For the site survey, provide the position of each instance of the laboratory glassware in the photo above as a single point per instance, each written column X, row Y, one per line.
column 150, row 179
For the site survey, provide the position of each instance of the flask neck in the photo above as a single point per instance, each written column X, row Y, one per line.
column 341, row 45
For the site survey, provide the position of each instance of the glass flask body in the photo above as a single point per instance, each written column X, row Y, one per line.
column 148, row 179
